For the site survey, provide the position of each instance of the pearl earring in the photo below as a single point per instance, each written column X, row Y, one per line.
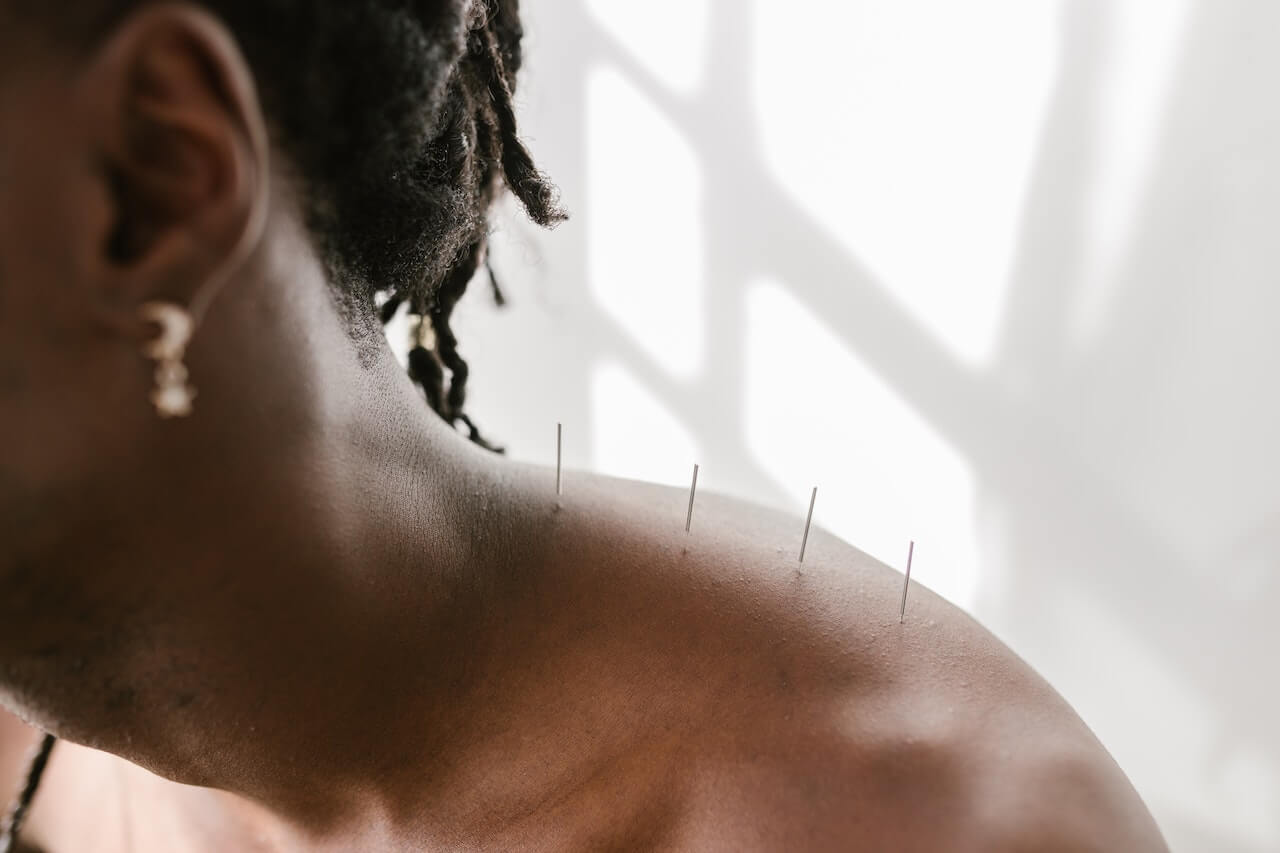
column 172, row 396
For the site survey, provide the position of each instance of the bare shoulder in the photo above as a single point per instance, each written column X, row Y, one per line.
column 927, row 734
column 916, row 797
column 837, row 727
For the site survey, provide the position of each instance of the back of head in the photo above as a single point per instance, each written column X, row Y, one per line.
column 396, row 122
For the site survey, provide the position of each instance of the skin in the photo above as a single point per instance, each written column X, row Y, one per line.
column 313, row 617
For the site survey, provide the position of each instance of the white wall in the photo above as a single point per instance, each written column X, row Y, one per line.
column 999, row 276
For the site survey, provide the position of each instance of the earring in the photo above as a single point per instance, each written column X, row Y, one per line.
column 172, row 396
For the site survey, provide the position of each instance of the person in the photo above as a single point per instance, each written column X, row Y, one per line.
column 270, row 593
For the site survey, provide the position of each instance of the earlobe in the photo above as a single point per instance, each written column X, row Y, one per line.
column 184, row 157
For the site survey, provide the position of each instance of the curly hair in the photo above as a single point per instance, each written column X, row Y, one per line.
column 397, row 116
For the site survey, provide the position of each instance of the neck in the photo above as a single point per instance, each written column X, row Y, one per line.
column 295, row 624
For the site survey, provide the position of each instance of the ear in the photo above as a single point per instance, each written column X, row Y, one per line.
column 184, row 155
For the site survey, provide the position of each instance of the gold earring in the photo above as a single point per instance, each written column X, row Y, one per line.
column 172, row 395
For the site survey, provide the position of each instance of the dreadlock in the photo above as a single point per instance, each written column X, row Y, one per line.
column 398, row 117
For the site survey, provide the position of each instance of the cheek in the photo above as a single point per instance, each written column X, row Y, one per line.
column 15, row 319
column 72, row 391
column 40, row 308
column 49, row 196
column 13, row 376
column 38, row 385
column 19, row 253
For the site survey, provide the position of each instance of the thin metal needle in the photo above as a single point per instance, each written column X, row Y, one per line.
column 688, row 521
column 559, row 436
column 805, row 541
column 902, row 611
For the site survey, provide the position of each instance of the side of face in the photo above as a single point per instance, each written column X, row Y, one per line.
column 131, row 172
column 58, row 376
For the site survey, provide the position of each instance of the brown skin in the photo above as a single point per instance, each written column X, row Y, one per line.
column 324, row 621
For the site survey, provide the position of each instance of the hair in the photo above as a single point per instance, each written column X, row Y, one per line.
column 397, row 116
